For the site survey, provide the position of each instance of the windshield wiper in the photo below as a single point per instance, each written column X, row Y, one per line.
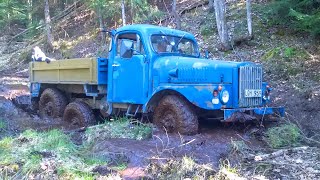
column 181, row 38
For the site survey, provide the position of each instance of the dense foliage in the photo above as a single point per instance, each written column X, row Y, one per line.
column 302, row 15
column 12, row 10
column 29, row 14
column 136, row 10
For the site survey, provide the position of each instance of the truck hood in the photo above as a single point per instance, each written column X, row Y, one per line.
column 195, row 70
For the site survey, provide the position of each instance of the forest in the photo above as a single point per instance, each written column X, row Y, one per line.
column 32, row 16
column 281, row 35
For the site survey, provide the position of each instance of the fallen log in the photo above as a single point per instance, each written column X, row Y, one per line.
column 184, row 9
column 192, row 6
column 276, row 153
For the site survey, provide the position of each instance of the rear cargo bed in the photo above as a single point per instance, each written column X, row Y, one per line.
column 70, row 71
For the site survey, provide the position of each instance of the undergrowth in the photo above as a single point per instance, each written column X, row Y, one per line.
column 52, row 154
column 119, row 128
column 226, row 171
column 32, row 152
column 285, row 61
column 286, row 135
column 185, row 168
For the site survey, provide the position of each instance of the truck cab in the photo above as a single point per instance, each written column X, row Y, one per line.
column 159, row 71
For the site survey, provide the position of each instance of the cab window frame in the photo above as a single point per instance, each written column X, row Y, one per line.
column 118, row 43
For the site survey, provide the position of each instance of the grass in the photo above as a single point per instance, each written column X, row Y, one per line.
column 31, row 149
column 119, row 128
column 188, row 168
column 285, row 61
column 185, row 168
column 239, row 147
column 53, row 154
column 286, row 135
column 226, row 171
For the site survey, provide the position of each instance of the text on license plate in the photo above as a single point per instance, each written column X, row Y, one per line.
column 252, row 93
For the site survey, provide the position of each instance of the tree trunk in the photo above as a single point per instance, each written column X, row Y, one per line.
column 102, row 27
column 132, row 14
column 220, row 11
column 249, row 18
column 123, row 12
column 211, row 8
column 48, row 25
column 30, row 11
column 176, row 15
column 62, row 4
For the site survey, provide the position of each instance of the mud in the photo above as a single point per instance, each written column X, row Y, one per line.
column 11, row 87
column 212, row 144
column 209, row 146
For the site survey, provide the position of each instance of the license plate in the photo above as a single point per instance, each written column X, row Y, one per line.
column 252, row 93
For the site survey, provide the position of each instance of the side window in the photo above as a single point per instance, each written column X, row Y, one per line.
column 137, row 42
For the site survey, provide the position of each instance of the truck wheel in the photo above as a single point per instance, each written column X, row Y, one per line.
column 52, row 103
column 175, row 114
column 79, row 114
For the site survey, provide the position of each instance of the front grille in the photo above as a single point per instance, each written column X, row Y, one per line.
column 250, row 77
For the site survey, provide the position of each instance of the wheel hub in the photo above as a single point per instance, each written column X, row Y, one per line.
column 169, row 121
column 48, row 109
column 75, row 121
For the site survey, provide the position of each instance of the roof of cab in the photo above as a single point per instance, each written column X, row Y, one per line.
column 151, row 29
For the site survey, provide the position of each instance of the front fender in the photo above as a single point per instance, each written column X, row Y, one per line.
column 201, row 95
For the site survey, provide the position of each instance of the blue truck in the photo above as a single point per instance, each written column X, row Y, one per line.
column 156, row 72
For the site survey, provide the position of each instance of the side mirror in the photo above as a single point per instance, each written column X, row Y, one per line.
column 206, row 54
column 110, row 32
column 126, row 48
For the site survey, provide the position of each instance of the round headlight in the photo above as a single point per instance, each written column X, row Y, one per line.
column 225, row 96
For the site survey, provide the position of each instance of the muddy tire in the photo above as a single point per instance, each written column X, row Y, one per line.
column 176, row 115
column 52, row 103
column 78, row 114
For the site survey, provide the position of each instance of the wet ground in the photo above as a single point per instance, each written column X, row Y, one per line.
column 209, row 146
column 15, row 106
column 212, row 144
column 206, row 147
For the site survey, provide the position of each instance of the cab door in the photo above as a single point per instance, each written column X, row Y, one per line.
column 130, row 70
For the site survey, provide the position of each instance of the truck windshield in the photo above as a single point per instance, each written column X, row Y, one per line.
column 174, row 45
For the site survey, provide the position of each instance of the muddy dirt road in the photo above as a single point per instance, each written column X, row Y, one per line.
column 209, row 146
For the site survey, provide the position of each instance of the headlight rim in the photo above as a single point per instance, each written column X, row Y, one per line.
column 222, row 96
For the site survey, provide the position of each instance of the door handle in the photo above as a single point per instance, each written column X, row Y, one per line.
column 115, row 67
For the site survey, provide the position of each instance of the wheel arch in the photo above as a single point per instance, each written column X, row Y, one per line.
column 157, row 96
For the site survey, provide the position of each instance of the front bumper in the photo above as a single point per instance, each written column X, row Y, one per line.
column 245, row 114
